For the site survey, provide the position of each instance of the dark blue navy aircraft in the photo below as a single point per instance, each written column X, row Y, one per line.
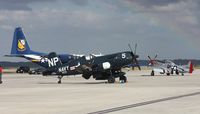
column 20, row 48
column 107, row 67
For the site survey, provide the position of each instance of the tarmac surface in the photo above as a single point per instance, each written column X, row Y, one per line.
column 143, row 94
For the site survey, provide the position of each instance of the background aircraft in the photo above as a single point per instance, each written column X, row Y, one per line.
column 107, row 67
column 20, row 48
column 168, row 67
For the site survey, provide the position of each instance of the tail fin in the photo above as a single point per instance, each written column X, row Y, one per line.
column 191, row 67
column 19, row 44
column 53, row 60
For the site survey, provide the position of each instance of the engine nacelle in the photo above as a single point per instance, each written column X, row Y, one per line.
column 106, row 65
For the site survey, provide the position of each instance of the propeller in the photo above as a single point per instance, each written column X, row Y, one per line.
column 152, row 61
column 135, row 49
column 155, row 56
column 149, row 57
column 130, row 48
column 134, row 56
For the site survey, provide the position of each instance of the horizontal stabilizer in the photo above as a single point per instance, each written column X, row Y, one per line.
column 14, row 55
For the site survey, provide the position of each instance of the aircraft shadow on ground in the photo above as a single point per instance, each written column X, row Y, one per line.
column 161, row 75
column 73, row 83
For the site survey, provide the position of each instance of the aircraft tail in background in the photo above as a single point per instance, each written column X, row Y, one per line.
column 191, row 67
column 20, row 47
column 19, row 44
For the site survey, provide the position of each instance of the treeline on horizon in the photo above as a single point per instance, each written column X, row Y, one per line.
column 6, row 64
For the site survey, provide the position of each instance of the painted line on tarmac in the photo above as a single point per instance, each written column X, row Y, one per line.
column 143, row 103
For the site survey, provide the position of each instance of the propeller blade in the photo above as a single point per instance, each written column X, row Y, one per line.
column 156, row 56
column 149, row 57
column 134, row 56
column 130, row 48
column 137, row 63
column 135, row 48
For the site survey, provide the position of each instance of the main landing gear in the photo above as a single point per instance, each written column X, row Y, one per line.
column 113, row 75
column 122, row 79
column 111, row 79
column 168, row 74
column 152, row 73
column 59, row 79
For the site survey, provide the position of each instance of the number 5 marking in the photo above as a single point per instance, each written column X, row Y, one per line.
column 123, row 55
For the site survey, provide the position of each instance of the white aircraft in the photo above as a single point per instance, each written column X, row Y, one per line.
column 168, row 67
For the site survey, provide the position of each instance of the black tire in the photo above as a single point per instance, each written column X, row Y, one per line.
column 152, row 73
column 172, row 71
column 177, row 73
column 111, row 79
column 123, row 79
column 59, row 82
column 168, row 74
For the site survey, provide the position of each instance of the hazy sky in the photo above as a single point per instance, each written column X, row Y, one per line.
column 169, row 28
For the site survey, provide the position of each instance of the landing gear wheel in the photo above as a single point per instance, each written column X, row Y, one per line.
column 177, row 73
column 182, row 74
column 111, row 79
column 152, row 73
column 172, row 71
column 59, row 82
column 123, row 79
column 59, row 79
column 168, row 74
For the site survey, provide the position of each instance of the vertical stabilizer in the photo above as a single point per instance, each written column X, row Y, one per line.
column 19, row 44
column 191, row 67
